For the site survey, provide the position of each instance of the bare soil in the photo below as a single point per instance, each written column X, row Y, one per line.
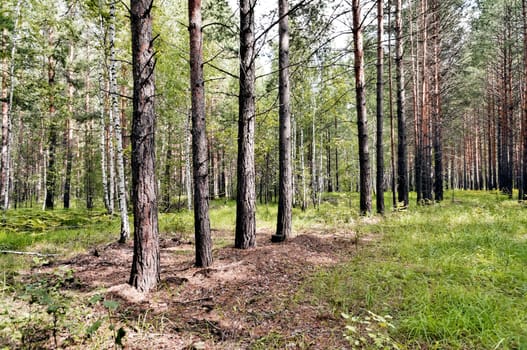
column 248, row 299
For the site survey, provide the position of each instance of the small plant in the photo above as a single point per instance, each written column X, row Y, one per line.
column 110, row 306
column 371, row 331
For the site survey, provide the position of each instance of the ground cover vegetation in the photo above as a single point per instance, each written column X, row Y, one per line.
column 446, row 276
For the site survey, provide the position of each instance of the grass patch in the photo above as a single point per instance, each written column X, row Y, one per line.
column 452, row 275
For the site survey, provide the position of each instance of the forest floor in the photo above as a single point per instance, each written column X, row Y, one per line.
column 247, row 299
column 445, row 276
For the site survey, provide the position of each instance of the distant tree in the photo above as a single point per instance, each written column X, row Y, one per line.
column 523, row 185
column 402, row 149
column 51, row 168
column 380, row 107
column 199, row 139
column 285, row 192
column 246, row 191
column 145, row 266
column 115, row 120
column 362, row 121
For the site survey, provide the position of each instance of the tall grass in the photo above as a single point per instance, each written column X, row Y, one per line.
column 453, row 275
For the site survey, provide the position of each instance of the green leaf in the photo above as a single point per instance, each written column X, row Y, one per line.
column 95, row 299
column 111, row 305
column 93, row 328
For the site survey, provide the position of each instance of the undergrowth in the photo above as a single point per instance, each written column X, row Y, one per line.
column 451, row 274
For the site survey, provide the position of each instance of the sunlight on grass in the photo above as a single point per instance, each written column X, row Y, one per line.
column 452, row 275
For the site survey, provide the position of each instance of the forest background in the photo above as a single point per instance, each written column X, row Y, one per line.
column 449, row 99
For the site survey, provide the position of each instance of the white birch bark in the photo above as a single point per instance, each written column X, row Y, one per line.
column 188, row 172
column 6, row 168
column 125, row 226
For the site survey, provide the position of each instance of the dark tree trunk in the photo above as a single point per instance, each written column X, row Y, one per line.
column 380, row 108
column 68, row 136
column 362, row 121
column 145, row 266
column 437, row 121
column 246, row 191
column 69, row 164
column 51, row 171
column 402, row 154
column 285, row 193
column 200, row 164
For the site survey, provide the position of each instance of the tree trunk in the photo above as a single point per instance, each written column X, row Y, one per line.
column 116, row 120
column 188, row 169
column 246, row 191
column 145, row 266
column 392, row 126
column 402, row 154
column 5, row 165
column 523, row 191
column 4, row 175
column 285, row 194
column 437, row 120
column 362, row 121
column 68, row 134
column 51, row 171
column 380, row 108
column 200, row 164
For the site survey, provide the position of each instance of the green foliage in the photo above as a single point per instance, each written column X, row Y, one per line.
column 452, row 275
column 370, row 331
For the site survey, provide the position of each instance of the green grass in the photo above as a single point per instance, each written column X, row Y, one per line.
column 453, row 275
column 56, row 232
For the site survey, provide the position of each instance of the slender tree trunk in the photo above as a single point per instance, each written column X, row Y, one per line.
column 362, row 121
column 5, row 165
column 524, row 106
column 392, row 127
column 437, row 122
column 285, row 194
column 102, row 122
column 116, row 120
column 145, row 266
column 188, row 169
column 51, row 171
column 246, row 191
column 68, row 133
column 4, row 175
column 200, row 164
column 303, row 170
column 402, row 153
column 380, row 107
column 337, row 180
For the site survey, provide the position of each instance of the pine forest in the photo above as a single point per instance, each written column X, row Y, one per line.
column 250, row 174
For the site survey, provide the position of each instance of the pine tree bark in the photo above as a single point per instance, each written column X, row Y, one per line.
column 200, row 164
column 285, row 193
column 390, row 99
column 380, row 108
column 68, row 135
column 246, row 190
column 362, row 121
column 145, row 266
column 402, row 153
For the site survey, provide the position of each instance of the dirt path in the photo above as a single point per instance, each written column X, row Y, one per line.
column 248, row 299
